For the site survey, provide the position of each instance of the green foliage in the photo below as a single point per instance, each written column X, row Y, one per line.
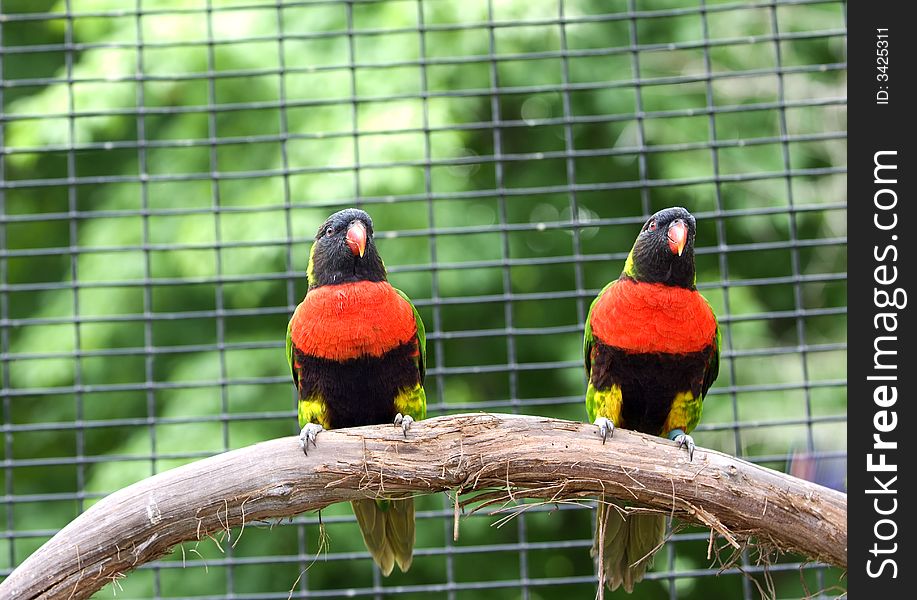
column 165, row 226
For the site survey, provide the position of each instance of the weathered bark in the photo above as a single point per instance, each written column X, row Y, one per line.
column 522, row 456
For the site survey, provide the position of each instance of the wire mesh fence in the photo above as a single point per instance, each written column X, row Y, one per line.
column 165, row 164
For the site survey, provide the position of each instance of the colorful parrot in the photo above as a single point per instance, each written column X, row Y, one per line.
column 357, row 351
column 652, row 349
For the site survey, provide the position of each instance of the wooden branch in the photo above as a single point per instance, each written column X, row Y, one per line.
column 522, row 456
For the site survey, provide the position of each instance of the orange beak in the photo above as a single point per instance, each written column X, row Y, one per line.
column 356, row 238
column 678, row 236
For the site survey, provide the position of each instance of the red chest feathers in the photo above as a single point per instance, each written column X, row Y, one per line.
column 340, row 322
column 652, row 317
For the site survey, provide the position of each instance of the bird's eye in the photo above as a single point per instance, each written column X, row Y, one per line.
column 651, row 226
column 329, row 232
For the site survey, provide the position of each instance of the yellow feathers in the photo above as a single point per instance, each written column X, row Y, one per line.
column 312, row 410
column 684, row 414
column 604, row 403
column 412, row 401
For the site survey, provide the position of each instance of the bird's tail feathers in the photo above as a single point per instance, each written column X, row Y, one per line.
column 625, row 545
column 399, row 530
column 388, row 531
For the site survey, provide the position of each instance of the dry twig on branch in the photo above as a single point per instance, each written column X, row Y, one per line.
column 520, row 456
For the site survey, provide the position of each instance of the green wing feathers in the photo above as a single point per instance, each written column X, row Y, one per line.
column 388, row 531
column 290, row 353
column 713, row 369
column 588, row 340
column 421, row 336
column 413, row 401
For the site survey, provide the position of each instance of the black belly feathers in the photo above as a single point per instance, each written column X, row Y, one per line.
column 359, row 391
column 648, row 382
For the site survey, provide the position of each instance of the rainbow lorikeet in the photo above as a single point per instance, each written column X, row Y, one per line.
column 652, row 352
column 357, row 350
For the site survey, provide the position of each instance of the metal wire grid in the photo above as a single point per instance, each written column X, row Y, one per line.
column 524, row 581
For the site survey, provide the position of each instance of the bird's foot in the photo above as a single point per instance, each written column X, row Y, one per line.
column 404, row 421
column 606, row 428
column 684, row 441
column 307, row 435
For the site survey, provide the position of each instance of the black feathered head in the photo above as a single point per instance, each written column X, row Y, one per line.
column 664, row 250
column 344, row 251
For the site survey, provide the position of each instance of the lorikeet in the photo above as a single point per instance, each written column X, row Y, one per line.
column 357, row 350
column 652, row 352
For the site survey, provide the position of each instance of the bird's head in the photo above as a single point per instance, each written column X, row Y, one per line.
column 664, row 250
column 344, row 250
